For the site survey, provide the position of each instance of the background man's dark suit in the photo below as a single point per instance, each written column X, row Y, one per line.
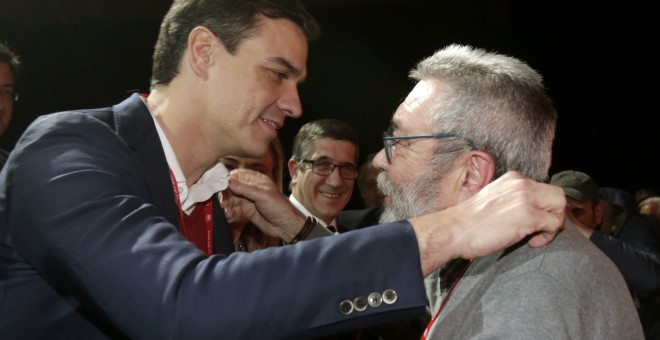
column 358, row 218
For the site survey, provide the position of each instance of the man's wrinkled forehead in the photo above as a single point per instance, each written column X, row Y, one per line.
column 419, row 96
column 416, row 107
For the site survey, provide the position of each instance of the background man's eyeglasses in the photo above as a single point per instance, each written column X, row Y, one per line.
column 8, row 93
column 389, row 141
column 325, row 168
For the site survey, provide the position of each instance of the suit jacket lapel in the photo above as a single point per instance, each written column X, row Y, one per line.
column 223, row 241
column 135, row 126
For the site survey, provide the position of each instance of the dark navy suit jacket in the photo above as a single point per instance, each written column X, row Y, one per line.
column 90, row 249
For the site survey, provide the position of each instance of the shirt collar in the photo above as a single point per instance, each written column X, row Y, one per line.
column 306, row 212
column 212, row 181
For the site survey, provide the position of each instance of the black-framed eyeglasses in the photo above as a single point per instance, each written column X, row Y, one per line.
column 9, row 94
column 325, row 168
column 389, row 141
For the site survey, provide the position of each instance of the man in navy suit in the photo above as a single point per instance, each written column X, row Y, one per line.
column 106, row 230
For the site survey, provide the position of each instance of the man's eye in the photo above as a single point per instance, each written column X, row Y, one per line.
column 7, row 91
column 280, row 75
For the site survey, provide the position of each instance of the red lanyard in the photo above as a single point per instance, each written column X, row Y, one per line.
column 444, row 300
column 191, row 231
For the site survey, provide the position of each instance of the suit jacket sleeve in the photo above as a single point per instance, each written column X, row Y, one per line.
column 81, row 232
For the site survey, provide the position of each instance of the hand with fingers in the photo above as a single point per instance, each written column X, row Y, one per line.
column 255, row 196
column 503, row 213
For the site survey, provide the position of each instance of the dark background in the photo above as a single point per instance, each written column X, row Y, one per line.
column 598, row 61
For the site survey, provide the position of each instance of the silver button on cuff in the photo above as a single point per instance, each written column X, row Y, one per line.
column 390, row 296
column 360, row 303
column 346, row 307
column 375, row 300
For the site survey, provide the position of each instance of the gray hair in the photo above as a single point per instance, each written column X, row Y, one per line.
column 497, row 101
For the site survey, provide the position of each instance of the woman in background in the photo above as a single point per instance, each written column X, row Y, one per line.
column 247, row 236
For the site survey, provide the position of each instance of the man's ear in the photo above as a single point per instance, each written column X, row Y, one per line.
column 293, row 170
column 480, row 170
column 201, row 45
column 599, row 212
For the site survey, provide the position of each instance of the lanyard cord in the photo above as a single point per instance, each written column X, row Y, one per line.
column 208, row 220
column 444, row 301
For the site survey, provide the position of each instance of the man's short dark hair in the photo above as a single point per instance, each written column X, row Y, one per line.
column 232, row 21
column 10, row 57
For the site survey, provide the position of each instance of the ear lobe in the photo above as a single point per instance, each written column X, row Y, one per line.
column 480, row 171
column 201, row 44
column 599, row 212
column 293, row 170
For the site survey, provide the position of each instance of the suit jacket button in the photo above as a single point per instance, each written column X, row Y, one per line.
column 360, row 303
column 390, row 296
column 375, row 300
column 346, row 307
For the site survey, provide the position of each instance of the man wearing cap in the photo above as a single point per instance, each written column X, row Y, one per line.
column 633, row 245
column 582, row 199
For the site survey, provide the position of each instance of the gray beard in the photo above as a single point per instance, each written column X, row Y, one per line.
column 416, row 197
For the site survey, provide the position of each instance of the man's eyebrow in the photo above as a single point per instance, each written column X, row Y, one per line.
column 290, row 68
